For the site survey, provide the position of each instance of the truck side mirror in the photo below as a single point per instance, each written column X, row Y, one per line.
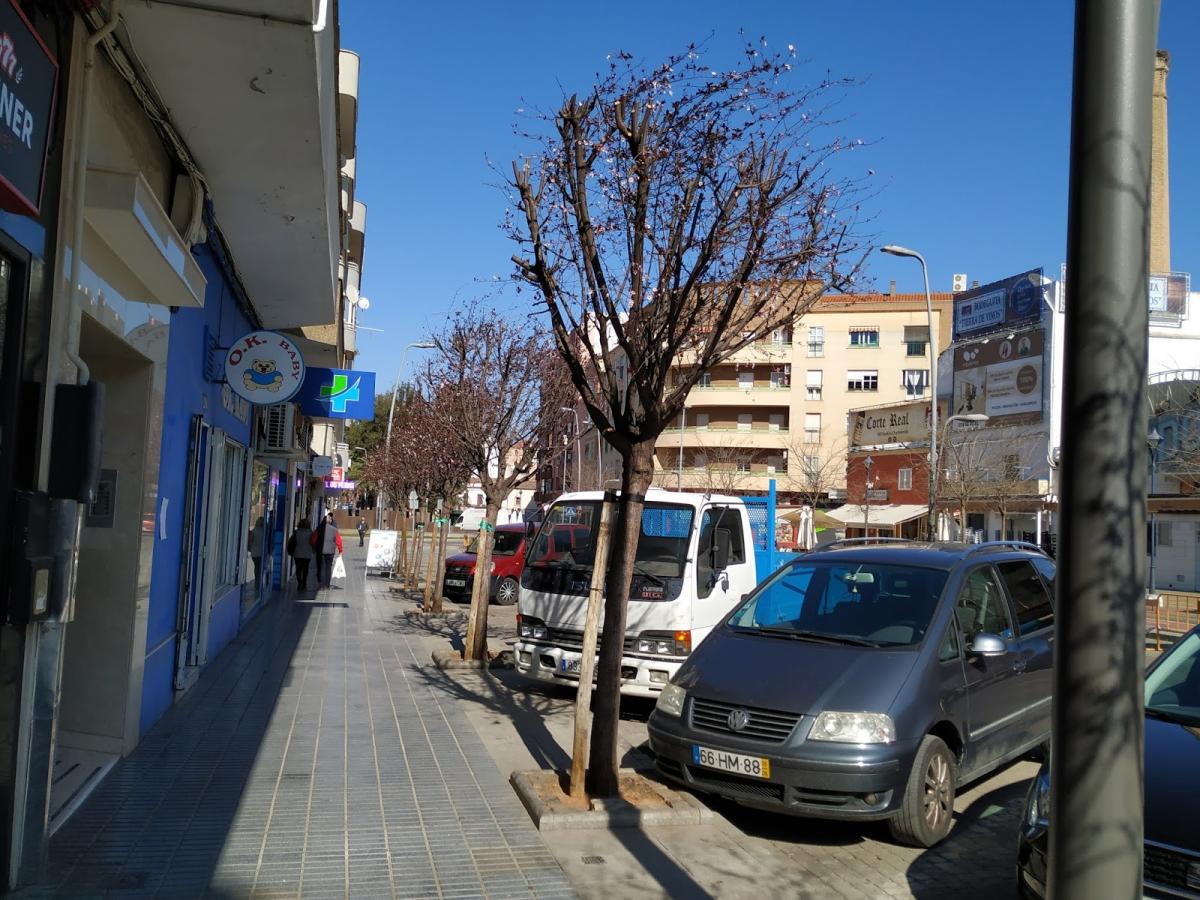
column 721, row 546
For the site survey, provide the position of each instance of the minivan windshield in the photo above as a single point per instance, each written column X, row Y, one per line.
column 565, row 539
column 506, row 544
column 1173, row 688
column 858, row 603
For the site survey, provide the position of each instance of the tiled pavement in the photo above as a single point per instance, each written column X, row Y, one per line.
column 312, row 760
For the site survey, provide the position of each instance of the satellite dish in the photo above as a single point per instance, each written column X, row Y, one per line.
column 364, row 303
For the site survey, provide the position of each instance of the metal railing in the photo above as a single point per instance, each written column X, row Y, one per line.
column 1171, row 614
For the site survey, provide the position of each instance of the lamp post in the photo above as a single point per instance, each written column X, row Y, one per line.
column 962, row 513
column 578, row 450
column 1153, row 439
column 682, row 429
column 415, row 345
column 896, row 250
column 867, row 463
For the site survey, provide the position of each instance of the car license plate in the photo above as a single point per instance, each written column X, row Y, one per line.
column 456, row 582
column 754, row 766
column 569, row 666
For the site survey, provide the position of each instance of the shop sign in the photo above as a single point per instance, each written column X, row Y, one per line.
column 1001, row 377
column 901, row 424
column 236, row 406
column 337, row 473
column 337, row 394
column 264, row 367
column 28, row 79
column 322, row 466
column 1002, row 304
column 332, row 485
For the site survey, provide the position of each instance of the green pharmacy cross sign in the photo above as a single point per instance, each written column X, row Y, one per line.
column 341, row 393
column 337, row 394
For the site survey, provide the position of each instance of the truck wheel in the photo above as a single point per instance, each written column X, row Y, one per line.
column 927, row 810
column 506, row 591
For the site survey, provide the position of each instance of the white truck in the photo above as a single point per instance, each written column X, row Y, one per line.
column 695, row 560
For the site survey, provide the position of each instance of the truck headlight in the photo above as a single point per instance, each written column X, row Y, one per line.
column 665, row 643
column 670, row 701
column 531, row 628
column 853, row 728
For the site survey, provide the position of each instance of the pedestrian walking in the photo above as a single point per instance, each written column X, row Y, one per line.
column 300, row 549
column 362, row 529
column 327, row 542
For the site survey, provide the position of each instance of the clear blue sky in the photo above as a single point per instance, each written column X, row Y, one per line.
column 968, row 103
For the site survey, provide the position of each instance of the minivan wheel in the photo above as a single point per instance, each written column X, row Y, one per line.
column 506, row 591
column 927, row 811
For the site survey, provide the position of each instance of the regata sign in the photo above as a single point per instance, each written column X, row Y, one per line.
column 264, row 367
column 337, row 394
column 28, row 81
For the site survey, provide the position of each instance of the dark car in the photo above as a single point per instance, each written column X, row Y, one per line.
column 868, row 681
column 1171, row 790
column 508, row 561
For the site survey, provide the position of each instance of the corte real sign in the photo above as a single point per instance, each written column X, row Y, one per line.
column 264, row 367
column 902, row 424
column 337, row 394
column 1012, row 301
column 28, row 82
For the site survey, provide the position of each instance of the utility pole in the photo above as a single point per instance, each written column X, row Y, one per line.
column 1096, row 825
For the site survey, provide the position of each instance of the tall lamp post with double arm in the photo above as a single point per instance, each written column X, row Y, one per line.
column 415, row 345
column 1153, row 439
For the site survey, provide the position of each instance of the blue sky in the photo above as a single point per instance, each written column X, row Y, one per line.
column 967, row 106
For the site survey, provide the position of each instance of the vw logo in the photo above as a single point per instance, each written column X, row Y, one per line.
column 738, row 719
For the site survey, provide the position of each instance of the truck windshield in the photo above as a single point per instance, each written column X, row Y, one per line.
column 566, row 538
column 506, row 544
column 851, row 602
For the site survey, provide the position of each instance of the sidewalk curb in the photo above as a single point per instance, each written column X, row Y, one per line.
column 447, row 660
column 681, row 809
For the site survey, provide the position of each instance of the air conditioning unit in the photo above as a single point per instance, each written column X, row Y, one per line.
column 285, row 430
column 960, row 282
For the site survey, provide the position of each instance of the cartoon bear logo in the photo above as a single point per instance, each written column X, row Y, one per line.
column 262, row 376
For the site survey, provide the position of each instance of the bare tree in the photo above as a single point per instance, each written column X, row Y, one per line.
column 816, row 468
column 986, row 467
column 673, row 214
column 493, row 378
column 1177, row 420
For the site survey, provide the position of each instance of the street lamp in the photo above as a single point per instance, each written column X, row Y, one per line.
column 415, row 345
column 1153, row 439
column 867, row 463
column 896, row 250
column 682, row 429
column 578, row 449
column 978, row 418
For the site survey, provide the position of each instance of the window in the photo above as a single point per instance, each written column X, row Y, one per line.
column 776, row 422
column 949, row 646
column 780, row 378
column 981, row 607
column 915, row 382
column 705, row 380
column 712, row 519
column 781, row 337
column 1165, row 538
column 812, row 428
column 1029, row 596
column 702, row 421
column 700, row 461
column 813, row 385
column 916, row 339
column 812, row 468
column 862, row 380
column 816, row 340
column 225, row 508
column 867, row 336
column 904, row 480
column 745, row 421
column 742, row 466
column 746, row 380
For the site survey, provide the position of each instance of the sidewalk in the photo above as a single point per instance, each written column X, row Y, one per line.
column 313, row 759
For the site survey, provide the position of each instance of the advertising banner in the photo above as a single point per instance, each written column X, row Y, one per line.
column 28, row 77
column 381, row 550
column 901, row 424
column 337, row 394
column 1007, row 303
column 1001, row 377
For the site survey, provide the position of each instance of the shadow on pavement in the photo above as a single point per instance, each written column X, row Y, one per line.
column 673, row 878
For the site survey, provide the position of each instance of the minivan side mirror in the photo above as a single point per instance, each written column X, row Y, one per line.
column 984, row 644
column 721, row 548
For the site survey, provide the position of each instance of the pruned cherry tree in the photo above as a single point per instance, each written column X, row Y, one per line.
column 493, row 377
column 668, row 217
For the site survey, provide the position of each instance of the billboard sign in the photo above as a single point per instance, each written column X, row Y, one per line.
column 1001, row 378
column 337, row 394
column 1002, row 304
column 28, row 82
column 900, row 424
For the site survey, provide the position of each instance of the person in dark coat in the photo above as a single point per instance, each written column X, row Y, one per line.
column 327, row 542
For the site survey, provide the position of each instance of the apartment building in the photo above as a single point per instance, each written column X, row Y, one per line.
column 778, row 409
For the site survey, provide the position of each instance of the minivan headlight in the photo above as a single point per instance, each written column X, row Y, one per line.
column 1037, row 813
column 853, row 728
column 670, row 701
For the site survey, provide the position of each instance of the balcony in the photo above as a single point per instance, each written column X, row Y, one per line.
column 347, row 107
column 725, row 436
column 736, row 395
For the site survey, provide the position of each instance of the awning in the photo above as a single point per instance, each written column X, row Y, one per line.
column 882, row 516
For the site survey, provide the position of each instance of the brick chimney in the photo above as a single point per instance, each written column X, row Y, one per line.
column 1160, row 180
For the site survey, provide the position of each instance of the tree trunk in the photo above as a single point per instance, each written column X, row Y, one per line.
column 439, row 571
column 637, row 470
column 476, row 644
column 400, row 566
column 418, row 553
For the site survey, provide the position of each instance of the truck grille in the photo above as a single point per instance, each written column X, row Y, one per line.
column 764, row 725
column 569, row 639
column 1171, row 868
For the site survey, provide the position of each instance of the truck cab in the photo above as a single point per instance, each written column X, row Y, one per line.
column 695, row 560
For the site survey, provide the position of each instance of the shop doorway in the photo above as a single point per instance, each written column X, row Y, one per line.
column 104, row 644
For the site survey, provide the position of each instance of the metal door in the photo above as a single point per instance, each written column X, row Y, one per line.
column 192, row 568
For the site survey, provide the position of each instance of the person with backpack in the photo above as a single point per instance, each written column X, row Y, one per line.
column 327, row 542
column 299, row 547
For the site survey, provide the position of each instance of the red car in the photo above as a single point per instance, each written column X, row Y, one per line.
column 508, row 560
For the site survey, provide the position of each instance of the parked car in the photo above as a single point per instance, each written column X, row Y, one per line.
column 1171, row 790
column 868, row 680
column 508, row 561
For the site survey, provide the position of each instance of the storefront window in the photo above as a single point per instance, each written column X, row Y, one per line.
column 262, row 509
